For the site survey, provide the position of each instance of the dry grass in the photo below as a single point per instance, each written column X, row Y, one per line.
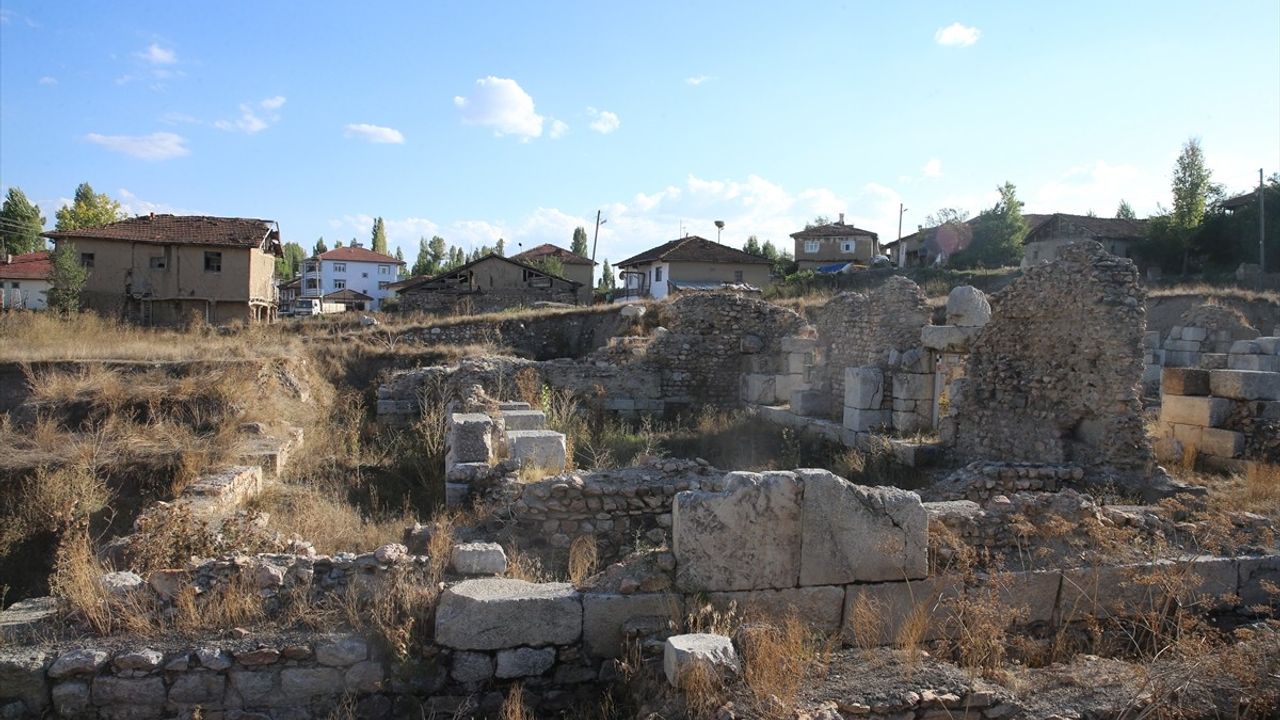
column 777, row 660
column 1216, row 291
column 513, row 708
column 911, row 634
column 1261, row 492
column 52, row 499
column 584, row 559
column 523, row 566
column 327, row 519
column 704, row 690
column 866, row 621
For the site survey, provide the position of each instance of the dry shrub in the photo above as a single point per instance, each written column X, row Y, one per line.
column 325, row 517
column 910, row 636
column 523, row 566
column 513, row 708
column 1262, row 488
column 528, row 386
column 866, row 621
column 236, row 603
column 77, row 577
column 982, row 619
column 776, row 661
column 168, row 536
column 704, row 690
column 584, row 558
column 400, row 611
column 440, row 544
column 707, row 618
column 52, row 500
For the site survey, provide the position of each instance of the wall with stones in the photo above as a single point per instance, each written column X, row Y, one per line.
column 1225, row 418
column 468, row 302
column 1053, row 376
column 540, row 335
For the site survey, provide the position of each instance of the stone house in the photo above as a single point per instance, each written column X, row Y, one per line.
column 690, row 263
column 576, row 267
column 488, row 284
column 354, row 268
column 1046, row 240
column 834, row 244
column 24, row 281
column 933, row 245
column 167, row 269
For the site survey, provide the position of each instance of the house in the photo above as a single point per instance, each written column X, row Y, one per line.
column 933, row 245
column 355, row 268
column 488, row 284
column 834, row 243
column 289, row 290
column 576, row 267
column 690, row 263
column 1118, row 236
column 24, row 281
column 167, row 269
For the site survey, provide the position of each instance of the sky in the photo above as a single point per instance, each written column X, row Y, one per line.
column 520, row 120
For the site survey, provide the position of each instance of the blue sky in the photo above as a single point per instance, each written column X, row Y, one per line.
column 479, row 120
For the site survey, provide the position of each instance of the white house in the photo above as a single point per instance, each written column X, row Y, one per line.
column 354, row 268
column 24, row 281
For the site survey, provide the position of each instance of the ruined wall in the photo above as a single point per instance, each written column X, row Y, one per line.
column 542, row 336
column 450, row 301
column 1053, row 377
column 859, row 330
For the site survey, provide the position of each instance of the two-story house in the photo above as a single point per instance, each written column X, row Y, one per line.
column 169, row 269
column 355, row 276
column 834, row 244
column 690, row 263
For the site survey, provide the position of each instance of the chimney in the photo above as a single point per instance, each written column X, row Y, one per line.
column 153, row 216
column 841, row 218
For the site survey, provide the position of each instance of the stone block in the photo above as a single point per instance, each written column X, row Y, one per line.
column 1245, row 347
column 1184, row 381
column 120, row 582
column 226, row 488
column 1209, row 578
column 875, row 614
column 863, row 388
column 72, row 699
column 1107, row 591
column 851, row 533
column 967, row 306
column 1221, row 443
column 1213, row 361
column 456, row 495
column 1178, row 358
column 341, row 650
column 819, row 607
column 524, row 419
column 513, row 405
column 786, row 385
column 913, row 386
column 255, row 687
column 198, row 688
column 148, row 691
column 1203, row 411
column 82, row 661
column 798, row 363
column 809, row 403
column 683, row 652
column 471, row 667
column 911, row 421
column 948, row 338
column 1254, row 571
column 758, row 389
column 1245, row 384
column 1195, row 334
column 746, row 537
column 492, row 614
column 524, row 662
column 1031, row 597
column 538, row 448
column 364, row 677
column 604, row 616
column 470, row 439
column 300, row 683
column 1265, row 410
column 22, row 677
column 1259, row 363
column 860, row 420
column 1268, row 345
column 479, row 558
column 798, row 344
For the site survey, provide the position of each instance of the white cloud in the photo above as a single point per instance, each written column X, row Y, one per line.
column 1098, row 187
column 273, row 103
column 375, row 133
column 603, row 121
column 134, row 205
column 157, row 55
column 559, row 129
column 957, row 35
column 697, row 80
column 48, row 80
column 250, row 121
column 932, row 169
column 156, row 146
column 501, row 104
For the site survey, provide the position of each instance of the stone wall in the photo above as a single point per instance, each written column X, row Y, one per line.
column 1053, row 376
column 449, row 301
column 1223, row 418
column 540, row 335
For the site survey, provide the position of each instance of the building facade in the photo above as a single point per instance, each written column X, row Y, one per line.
column 24, row 281
column 1046, row 240
column 489, row 284
column 577, row 268
column 350, row 268
column 690, row 263
column 834, row 244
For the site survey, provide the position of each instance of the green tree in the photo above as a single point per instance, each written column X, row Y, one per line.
column 997, row 234
column 456, row 259
column 88, row 209
column 752, row 247
column 320, row 248
column 379, row 242
column 946, row 215
column 400, row 256
column 1227, row 238
column 290, row 262
column 501, row 248
column 818, row 221
column 337, row 245
column 769, row 251
column 1124, row 212
column 438, row 252
column 579, row 245
column 66, row 278
column 549, row 265
column 20, row 224
column 1169, row 234
column 608, row 280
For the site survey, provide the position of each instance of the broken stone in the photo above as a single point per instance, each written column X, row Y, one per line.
column 470, row 439
column 491, row 614
column 391, row 553
column 681, row 653
column 967, row 306
column 479, row 559
column 121, row 582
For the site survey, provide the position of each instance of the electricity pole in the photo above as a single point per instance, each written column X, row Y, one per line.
column 1262, row 230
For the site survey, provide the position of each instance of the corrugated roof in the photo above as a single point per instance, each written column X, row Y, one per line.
column 693, row 249
column 183, row 229
column 27, row 266
column 357, row 254
column 566, row 257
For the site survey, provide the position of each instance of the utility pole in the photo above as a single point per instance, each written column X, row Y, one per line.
column 595, row 239
column 1262, row 230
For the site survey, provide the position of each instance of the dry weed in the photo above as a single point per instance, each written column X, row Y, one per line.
column 704, row 690
column 777, row 659
column 707, row 618
column 911, row 634
column 523, row 566
column 866, row 621
column 325, row 517
column 513, row 708
column 52, row 499
column 584, row 558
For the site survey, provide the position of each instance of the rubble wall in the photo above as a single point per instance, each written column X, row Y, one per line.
column 860, row 330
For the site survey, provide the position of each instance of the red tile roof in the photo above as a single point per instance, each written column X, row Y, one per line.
column 184, row 229
column 357, row 254
column 693, row 249
column 566, row 257
column 28, row 266
column 838, row 229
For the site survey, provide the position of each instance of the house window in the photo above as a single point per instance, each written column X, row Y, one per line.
column 846, row 246
column 157, row 262
column 383, row 285
column 339, row 267
column 811, row 246
column 657, row 275
column 14, row 285
column 339, row 284
column 384, row 269
column 212, row 261
column 312, row 283
column 737, row 276
column 311, row 267
column 86, row 260
column 364, row 275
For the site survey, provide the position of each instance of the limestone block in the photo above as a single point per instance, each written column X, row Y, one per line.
column 147, row 691
column 538, row 448
column 916, row 360
column 341, row 650
column 1178, row 358
column 121, row 582
column 71, row 699
column 1195, row 334
column 947, row 338
column 1254, row 571
column 875, row 614
column 470, row 439
column 22, row 677
column 809, row 403
column 758, row 389
column 860, row 420
column 300, row 683
column 226, row 488
column 255, row 687
column 84, row 661
column 470, row 667
column 144, row 659
column 798, row 344
column 491, row 614
column 785, row 385
column 1184, row 381
column 1268, row 345
column 911, row 421
column 524, row 419
column 1203, row 411
column 819, row 607
column 605, row 615
column 456, row 494
column 524, row 662
column 513, row 405
column 1151, row 339
column 1211, row 578
column 1107, row 591
column 1221, row 443
column 851, row 533
column 365, row 676
column 745, row 537
column 967, row 306
column 1213, row 361
column 683, row 652
column 913, row 386
column 1245, row 384
column 798, row 363
column 198, row 688
column 1265, row 410
column 1032, row 597
column 1245, row 347
column 863, row 387
column 479, row 558
column 1260, row 363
